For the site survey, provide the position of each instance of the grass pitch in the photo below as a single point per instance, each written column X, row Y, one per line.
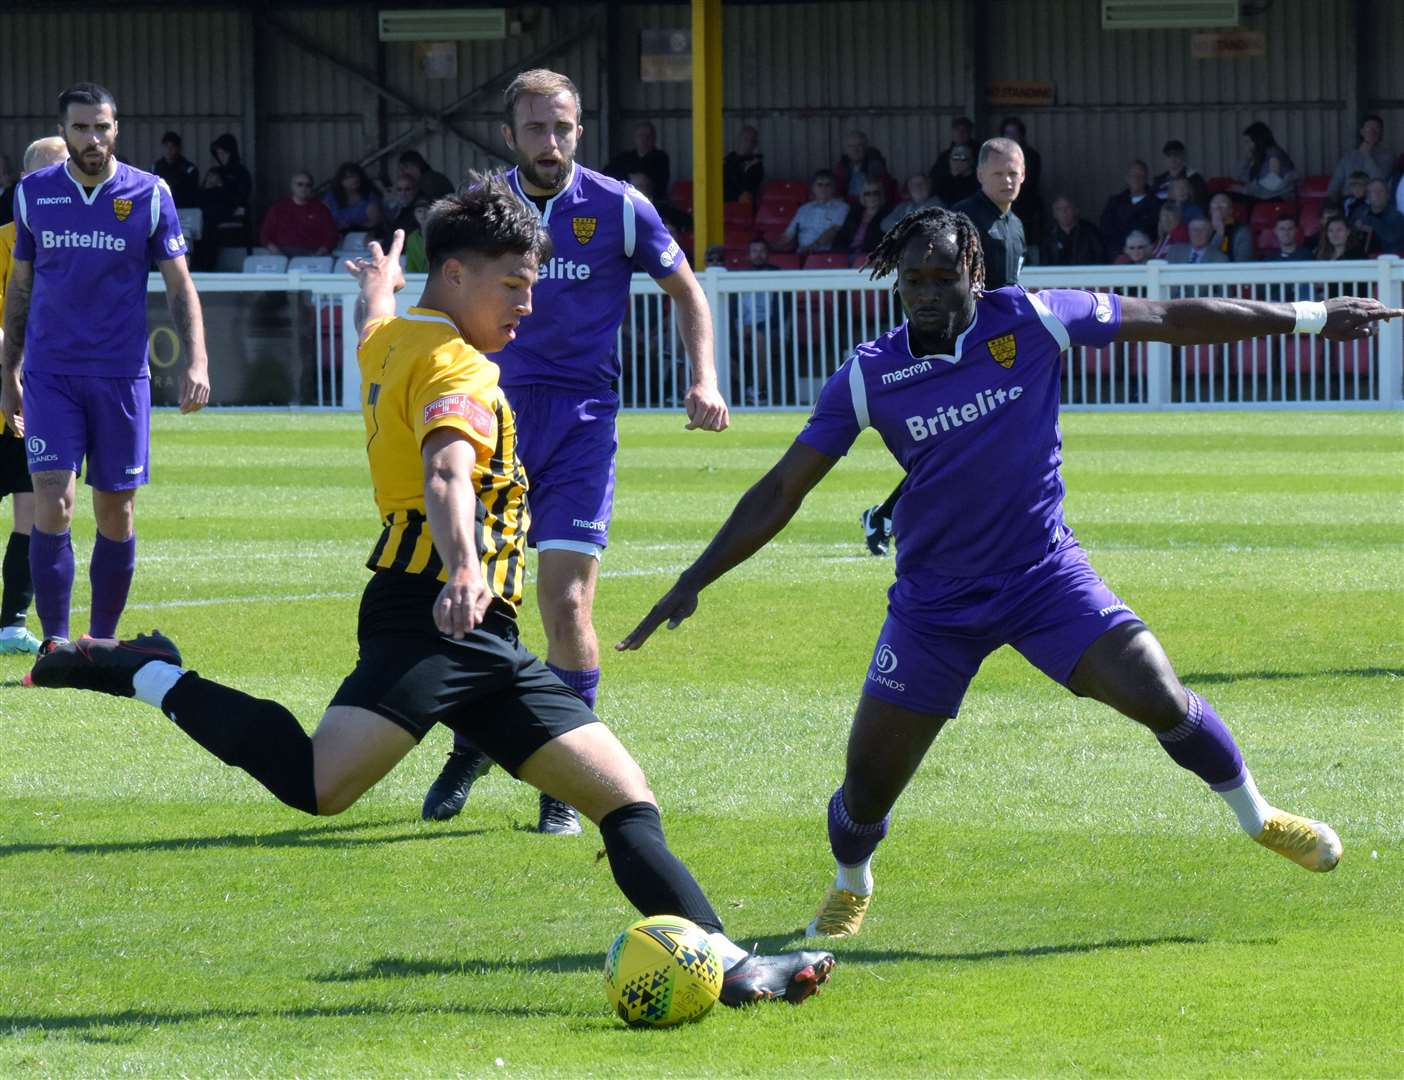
column 1056, row 897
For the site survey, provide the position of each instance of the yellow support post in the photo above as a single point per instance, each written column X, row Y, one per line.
column 706, row 127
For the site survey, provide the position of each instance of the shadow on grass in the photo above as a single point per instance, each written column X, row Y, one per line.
column 89, row 1026
column 1209, row 678
column 309, row 836
column 396, row 967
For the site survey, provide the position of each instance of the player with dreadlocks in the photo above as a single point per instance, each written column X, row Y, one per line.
column 965, row 395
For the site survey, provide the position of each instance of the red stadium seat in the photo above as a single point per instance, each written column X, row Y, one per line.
column 793, row 191
column 1265, row 214
column 1310, row 217
column 1350, row 358
column 735, row 236
column 772, row 234
column 1314, row 185
column 775, row 213
column 680, row 193
column 827, row 260
column 1199, row 360
column 785, row 260
column 1267, row 241
column 1216, row 184
column 736, row 213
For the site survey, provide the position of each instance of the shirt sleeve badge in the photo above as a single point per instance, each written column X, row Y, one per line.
column 122, row 208
column 478, row 415
column 1003, row 349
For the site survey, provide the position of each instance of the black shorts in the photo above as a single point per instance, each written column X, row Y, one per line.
column 487, row 687
column 14, row 468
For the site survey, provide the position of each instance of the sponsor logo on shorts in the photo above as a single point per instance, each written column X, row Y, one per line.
column 891, row 684
column 35, row 449
column 954, row 416
column 134, row 470
column 1113, row 609
column 886, row 659
column 581, row 523
column 564, row 270
column 53, row 200
column 897, row 376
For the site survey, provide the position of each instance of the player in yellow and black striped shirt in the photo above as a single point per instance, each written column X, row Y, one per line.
column 437, row 627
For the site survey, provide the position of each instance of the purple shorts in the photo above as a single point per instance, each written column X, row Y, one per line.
column 566, row 442
column 939, row 629
column 69, row 418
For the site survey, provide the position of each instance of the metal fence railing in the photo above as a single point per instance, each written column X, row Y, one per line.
column 780, row 334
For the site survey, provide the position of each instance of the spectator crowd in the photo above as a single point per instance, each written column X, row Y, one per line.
column 1267, row 210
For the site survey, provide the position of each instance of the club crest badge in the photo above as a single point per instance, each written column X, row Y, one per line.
column 122, row 208
column 1003, row 349
column 584, row 228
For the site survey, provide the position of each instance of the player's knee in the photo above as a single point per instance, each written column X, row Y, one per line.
column 568, row 612
column 332, row 799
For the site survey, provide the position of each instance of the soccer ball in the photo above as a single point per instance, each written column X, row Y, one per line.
column 662, row 971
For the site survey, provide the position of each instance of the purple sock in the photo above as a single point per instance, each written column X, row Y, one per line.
column 851, row 842
column 114, row 563
column 584, row 683
column 51, row 567
column 1201, row 744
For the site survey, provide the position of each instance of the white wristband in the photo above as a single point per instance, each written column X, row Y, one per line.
column 1311, row 316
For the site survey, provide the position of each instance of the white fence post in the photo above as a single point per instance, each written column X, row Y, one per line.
column 721, row 331
column 1158, row 388
column 1389, row 391
column 350, row 370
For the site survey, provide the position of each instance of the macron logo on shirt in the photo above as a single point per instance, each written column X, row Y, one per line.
column 954, row 416
column 897, row 376
column 53, row 200
column 70, row 239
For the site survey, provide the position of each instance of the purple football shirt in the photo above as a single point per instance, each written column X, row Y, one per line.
column 602, row 230
column 977, row 432
column 92, row 250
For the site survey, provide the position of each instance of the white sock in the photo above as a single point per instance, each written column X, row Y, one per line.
column 153, row 681
column 857, row 879
column 1251, row 808
column 731, row 953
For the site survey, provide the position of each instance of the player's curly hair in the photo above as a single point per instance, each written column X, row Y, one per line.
column 929, row 225
column 483, row 218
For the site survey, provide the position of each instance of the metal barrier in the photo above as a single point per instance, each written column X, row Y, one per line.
column 780, row 334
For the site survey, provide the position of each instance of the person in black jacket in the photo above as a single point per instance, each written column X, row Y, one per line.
column 1001, row 175
column 181, row 174
column 1071, row 240
column 1135, row 207
column 743, row 170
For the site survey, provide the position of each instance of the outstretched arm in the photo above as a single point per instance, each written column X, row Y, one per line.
column 759, row 516
column 1216, row 320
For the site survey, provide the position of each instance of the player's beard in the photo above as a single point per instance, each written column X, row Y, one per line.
column 84, row 159
column 526, row 167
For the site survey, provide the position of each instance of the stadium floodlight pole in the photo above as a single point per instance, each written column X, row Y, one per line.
column 706, row 127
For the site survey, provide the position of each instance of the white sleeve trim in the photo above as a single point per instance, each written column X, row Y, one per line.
column 1051, row 322
column 23, row 206
column 858, row 389
column 630, row 230
column 155, row 206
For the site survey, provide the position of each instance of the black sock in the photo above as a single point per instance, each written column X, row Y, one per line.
column 650, row 876
column 890, row 503
column 18, row 586
column 260, row 737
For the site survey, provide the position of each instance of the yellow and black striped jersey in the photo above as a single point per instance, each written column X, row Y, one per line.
column 419, row 375
column 7, row 258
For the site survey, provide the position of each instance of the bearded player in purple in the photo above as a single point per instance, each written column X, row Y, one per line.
column 965, row 395
column 559, row 375
column 88, row 231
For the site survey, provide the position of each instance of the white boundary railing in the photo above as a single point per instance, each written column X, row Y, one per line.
column 780, row 334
